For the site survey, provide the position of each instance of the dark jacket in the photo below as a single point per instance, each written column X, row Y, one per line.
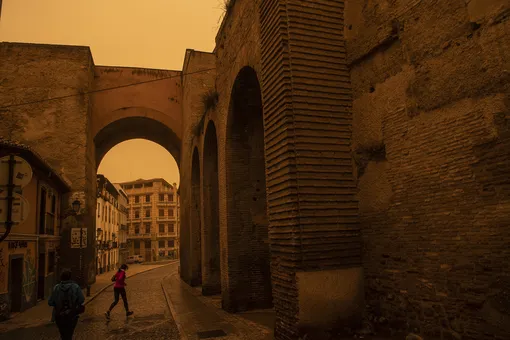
column 60, row 288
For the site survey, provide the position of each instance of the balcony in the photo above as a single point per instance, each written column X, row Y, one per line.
column 139, row 236
column 166, row 218
column 114, row 244
column 123, row 227
column 167, row 234
column 147, row 204
column 134, row 205
column 135, row 219
column 147, row 218
column 165, row 203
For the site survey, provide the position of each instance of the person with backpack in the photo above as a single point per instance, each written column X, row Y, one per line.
column 119, row 289
column 67, row 301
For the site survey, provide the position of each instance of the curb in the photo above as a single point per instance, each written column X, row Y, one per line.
column 92, row 297
column 172, row 310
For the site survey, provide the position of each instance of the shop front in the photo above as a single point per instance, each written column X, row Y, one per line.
column 18, row 276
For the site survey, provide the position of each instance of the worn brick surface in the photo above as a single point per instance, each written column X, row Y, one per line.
column 195, row 84
column 430, row 140
column 211, row 261
column 56, row 129
column 307, row 110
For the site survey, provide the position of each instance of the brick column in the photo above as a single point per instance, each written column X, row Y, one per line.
column 313, row 212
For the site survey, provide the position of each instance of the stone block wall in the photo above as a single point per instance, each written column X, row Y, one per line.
column 431, row 108
column 59, row 129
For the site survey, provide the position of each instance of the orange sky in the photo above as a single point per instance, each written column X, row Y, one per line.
column 150, row 33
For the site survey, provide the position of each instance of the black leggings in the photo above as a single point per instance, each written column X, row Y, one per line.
column 121, row 292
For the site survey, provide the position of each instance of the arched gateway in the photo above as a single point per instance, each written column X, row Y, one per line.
column 72, row 112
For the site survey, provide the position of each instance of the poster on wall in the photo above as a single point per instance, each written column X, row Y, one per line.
column 75, row 237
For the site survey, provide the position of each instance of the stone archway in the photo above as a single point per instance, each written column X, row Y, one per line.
column 247, row 222
column 196, row 228
column 136, row 127
column 211, row 272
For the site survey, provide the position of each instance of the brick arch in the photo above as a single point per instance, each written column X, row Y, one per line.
column 131, row 127
column 249, row 284
column 196, row 228
column 211, row 266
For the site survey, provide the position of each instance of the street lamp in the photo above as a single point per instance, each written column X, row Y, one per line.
column 76, row 207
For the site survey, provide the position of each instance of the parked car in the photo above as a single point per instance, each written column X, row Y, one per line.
column 135, row 259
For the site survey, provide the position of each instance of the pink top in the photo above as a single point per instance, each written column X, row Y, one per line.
column 120, row 277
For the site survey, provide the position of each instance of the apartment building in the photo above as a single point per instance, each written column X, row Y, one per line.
column 153, row 222
column 108, row 225
column 123, row 230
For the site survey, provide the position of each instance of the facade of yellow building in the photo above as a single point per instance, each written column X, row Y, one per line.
column 29, row 255
column 153, row 219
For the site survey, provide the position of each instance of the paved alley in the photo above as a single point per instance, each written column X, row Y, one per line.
column 152, row 318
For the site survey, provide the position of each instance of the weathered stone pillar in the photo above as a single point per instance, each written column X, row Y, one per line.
column 314, row 233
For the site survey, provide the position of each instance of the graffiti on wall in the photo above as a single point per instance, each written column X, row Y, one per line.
column 3, row 271
column 29, row 276
column 4, row 308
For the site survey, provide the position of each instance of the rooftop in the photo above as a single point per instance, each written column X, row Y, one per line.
column 142, row 181
column 34, row 159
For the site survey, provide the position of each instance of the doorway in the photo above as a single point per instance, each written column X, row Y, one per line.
column 16, row 283
column 41, row 277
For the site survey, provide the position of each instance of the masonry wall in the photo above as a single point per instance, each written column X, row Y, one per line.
column 59, row 130
column 195, row 84
column 431, row 141
column 237, row 46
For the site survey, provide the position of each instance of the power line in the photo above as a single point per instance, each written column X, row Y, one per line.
column 106, row 89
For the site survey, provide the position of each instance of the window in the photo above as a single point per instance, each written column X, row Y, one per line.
column 53, row 203
column 42, row 212
column 171, row 197
column 161, row 212
column 148, row 185
column 148, row 228
column 161, row 197
column 98, row 209
column 109, row 214
column 137, row 213
column 147, row 244
column 147, row 198
column 137, row 199
column 51, row 262
column 147, row 213
column 162, row 244
column 137, row 186
column 137, row 229
column 171, row 227
column 137, row 244
column 171, row 243
column 170, row 212
column 161, row 228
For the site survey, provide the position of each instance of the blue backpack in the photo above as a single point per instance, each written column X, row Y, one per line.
column 65, row 307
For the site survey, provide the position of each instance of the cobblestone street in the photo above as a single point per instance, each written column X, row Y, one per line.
column 152, row 318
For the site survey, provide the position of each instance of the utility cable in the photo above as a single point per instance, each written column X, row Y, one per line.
column 106, row 89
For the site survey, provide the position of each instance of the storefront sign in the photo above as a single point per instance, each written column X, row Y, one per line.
column 18, row 244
